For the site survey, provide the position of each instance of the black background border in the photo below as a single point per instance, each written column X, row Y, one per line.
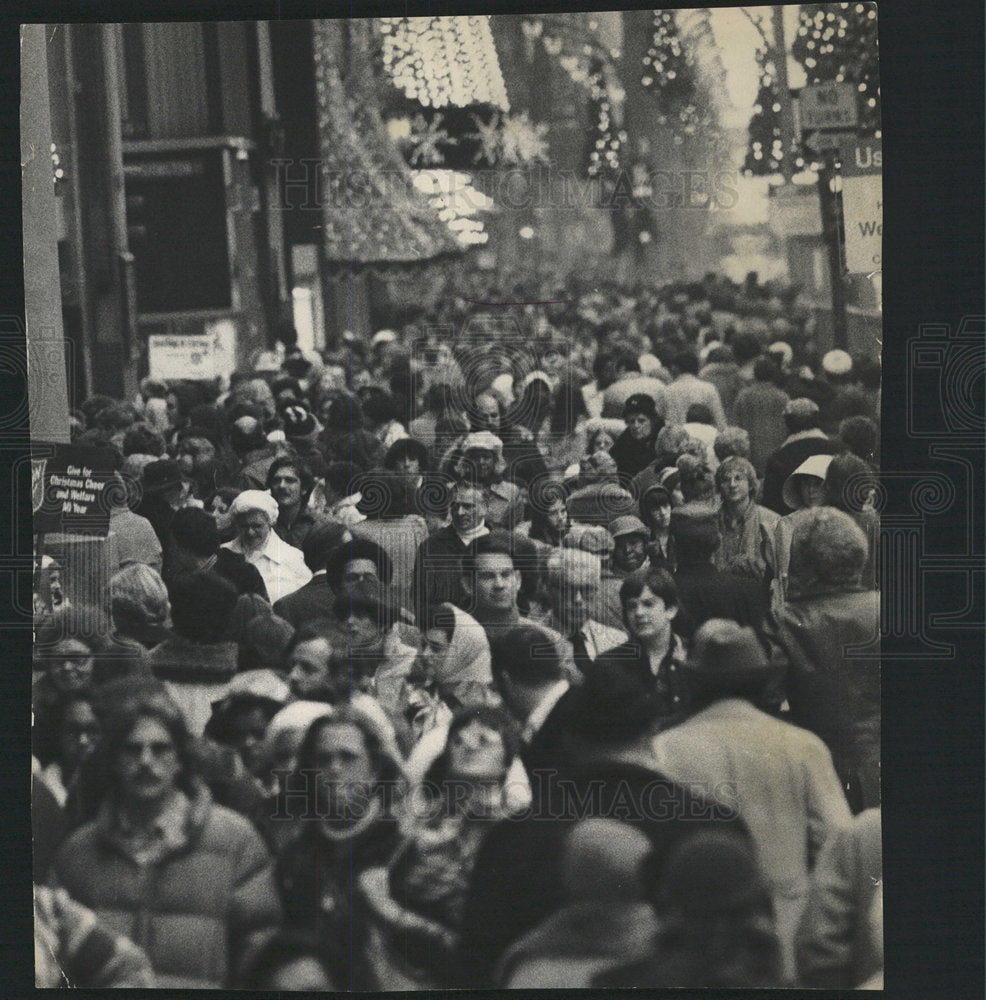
column 932, row 90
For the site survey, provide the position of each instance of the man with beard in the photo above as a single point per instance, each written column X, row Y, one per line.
column 190, row 880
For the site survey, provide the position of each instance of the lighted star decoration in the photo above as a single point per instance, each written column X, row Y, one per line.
column 523, row 141
column 426, row 140
column 488, row 134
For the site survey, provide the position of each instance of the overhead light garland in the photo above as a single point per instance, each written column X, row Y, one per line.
column 442, row 61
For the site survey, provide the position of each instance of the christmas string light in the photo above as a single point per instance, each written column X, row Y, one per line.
column 443, row 61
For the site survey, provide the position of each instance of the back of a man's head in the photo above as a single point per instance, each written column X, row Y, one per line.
column 195, row 531
column 527, row 656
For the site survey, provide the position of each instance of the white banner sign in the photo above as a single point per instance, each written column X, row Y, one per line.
column 205, row 356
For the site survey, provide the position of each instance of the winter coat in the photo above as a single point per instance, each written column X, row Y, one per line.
column 196, row 909
column 318, row 879
column 759, row 410
column 782, row 781
column 72, row 948
column 829, row 645
column 833, row 949
column 195, row 674
column 632, row 455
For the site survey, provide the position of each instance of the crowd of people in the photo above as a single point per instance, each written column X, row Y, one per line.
column 508, row 649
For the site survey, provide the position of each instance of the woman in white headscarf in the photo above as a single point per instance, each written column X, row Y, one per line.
column 282, row 566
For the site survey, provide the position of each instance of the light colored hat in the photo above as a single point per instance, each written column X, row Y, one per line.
column 837, row 363
column 537, row 376
column 814, row 467
column 255, row 500
column 483, row 441
column 298, row 715
column 503, row 386
column 785, row 350
column 383, row 337
column 802, row 407
column 628, row 525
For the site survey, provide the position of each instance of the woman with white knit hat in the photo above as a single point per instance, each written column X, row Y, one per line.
column 282, row 566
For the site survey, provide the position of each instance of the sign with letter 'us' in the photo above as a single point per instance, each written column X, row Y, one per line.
column 862, row 204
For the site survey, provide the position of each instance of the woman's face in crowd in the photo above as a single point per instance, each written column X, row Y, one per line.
column 812, row 491
column 365, row 633
column 195, row 452
column 308, row 667
column 639, row 426
column 345, row 766
column 476, row 751
column 71, row 665
column 557, row 517
column 659, row 514
column 603, row 441
column 434, row 650
column 248, row 730
column 734, row 486
column 482, row 464
column 408, row 466
column 253, row 529
column 79, row 734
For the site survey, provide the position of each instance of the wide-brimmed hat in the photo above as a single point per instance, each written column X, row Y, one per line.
column 724, row 651
column 161, row 475
column 628, row 525
column 814, row 467
column 482, row 441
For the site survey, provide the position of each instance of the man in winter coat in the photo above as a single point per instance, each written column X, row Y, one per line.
column 780, row 776
column 828, row 641
column 188, row 881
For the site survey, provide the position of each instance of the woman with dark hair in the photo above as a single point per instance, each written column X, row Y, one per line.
column 345, row 437
column 633, row 450
column 409, row 458
column 549, row 522
column 64, row 734
column 352, row 776
column 239, row 721
column 189, row 879
column 419, row 899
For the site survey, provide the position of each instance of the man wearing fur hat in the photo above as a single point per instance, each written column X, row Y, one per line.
column 780, row 776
